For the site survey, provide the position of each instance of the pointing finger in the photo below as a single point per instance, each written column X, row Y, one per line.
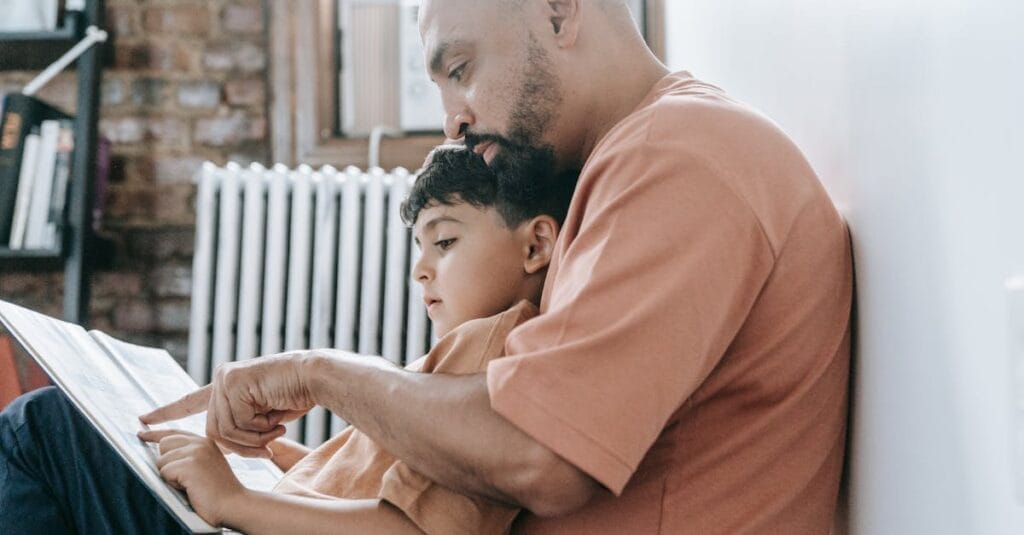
column 192, row 403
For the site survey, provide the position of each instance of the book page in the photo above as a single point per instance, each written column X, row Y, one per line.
column 161, row 380
column 102, row 391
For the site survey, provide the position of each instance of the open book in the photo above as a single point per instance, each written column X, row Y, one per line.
column 111, row 383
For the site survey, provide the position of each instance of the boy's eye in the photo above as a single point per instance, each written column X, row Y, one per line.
column 457, row 72
column 445, row 244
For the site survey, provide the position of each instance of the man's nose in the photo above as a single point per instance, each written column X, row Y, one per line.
column 455, row 124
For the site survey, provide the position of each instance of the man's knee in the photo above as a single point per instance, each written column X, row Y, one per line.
column 44, row 404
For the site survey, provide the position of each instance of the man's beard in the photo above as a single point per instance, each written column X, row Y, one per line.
column 526, row 167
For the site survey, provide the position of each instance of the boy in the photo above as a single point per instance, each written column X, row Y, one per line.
column 485, row 252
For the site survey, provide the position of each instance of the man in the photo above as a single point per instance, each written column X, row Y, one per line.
column 688, row 371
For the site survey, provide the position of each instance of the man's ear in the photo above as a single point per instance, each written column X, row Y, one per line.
column 540, row 233
column 565, row 21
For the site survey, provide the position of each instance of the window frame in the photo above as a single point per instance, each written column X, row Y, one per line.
column 304, row 88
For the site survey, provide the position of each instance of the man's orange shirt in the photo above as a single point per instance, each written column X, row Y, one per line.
column 692, row 352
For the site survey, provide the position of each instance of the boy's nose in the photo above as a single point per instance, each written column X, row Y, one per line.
column 421, row 272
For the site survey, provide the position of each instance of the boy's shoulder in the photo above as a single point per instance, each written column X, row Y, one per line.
column 469, row 347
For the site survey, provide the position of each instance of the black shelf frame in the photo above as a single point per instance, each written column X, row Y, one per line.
column 35, row 51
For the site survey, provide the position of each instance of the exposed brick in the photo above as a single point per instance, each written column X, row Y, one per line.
column 118, row 169
column 117, row 284
column 149, row 92
column 230, row 130
column 162, row 244
column 20, row 284
column 113, row 92
column 183, row 19
column 163, row 205
column 172, row 316
column 124, row 130
column 235, row 56
column 203, row 94
column 247, row 92
column 62, row 91
column 123, row 20
column 171, row 57
column 238, row 18
column 135, row 316
column 168, row 131
column 219, row 58
column 172, row 280
column 131, row 168
column 100, row 319
column 250, row 153
column 177, row 346
column 176, row 169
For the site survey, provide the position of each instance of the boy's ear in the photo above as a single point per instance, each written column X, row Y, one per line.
column 541, row 233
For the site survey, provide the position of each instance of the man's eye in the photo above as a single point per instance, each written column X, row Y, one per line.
column 444, row 245
column 457, row 72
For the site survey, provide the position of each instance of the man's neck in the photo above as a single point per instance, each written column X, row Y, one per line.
column 610, row 105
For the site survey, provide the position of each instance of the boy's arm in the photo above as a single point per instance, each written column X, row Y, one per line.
column 196, row 465
column 261, row 512
column 287, row 453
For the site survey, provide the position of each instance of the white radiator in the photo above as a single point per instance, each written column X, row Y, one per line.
column 295, row 259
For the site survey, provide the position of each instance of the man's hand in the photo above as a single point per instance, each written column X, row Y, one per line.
column 246, row 403
column 196, row 465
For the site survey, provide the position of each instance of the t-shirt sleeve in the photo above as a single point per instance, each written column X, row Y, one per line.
column 437, row 510
column 664, row 266
column 434, row 508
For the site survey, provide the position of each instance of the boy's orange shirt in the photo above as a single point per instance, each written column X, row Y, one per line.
column 352, row 466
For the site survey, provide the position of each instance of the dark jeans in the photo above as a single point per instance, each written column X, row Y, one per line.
column 57, row 475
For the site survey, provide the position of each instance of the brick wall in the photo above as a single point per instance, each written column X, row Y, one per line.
column 188, row 83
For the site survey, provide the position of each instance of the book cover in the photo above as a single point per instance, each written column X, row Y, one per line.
column 21, row 113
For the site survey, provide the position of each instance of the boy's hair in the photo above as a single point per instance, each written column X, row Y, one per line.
column 454, row 174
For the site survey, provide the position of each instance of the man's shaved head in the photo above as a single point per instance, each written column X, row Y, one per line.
column 526, row 83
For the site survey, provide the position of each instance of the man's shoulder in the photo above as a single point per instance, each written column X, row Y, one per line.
column 690, row 139
column 686, row 119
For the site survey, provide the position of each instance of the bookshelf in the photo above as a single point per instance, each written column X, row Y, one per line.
column 35, row 51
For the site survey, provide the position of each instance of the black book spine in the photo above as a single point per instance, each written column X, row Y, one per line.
column 21, row 113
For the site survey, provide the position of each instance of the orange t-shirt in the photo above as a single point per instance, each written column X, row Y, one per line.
column 351, row 465
column 692, row 352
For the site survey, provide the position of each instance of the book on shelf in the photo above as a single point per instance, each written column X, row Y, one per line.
column 29, row 15
column 42, row 187
column 112, row 383
column 22, row 114
column 23, row 198
column 57, row 213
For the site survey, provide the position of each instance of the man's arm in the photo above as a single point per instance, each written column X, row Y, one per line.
column 443, row 427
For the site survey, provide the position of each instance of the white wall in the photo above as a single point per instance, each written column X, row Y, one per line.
column 912, row 112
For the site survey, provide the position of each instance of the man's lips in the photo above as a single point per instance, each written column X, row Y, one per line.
column 487, row 149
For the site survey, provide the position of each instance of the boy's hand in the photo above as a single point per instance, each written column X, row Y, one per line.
column 197, row 466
